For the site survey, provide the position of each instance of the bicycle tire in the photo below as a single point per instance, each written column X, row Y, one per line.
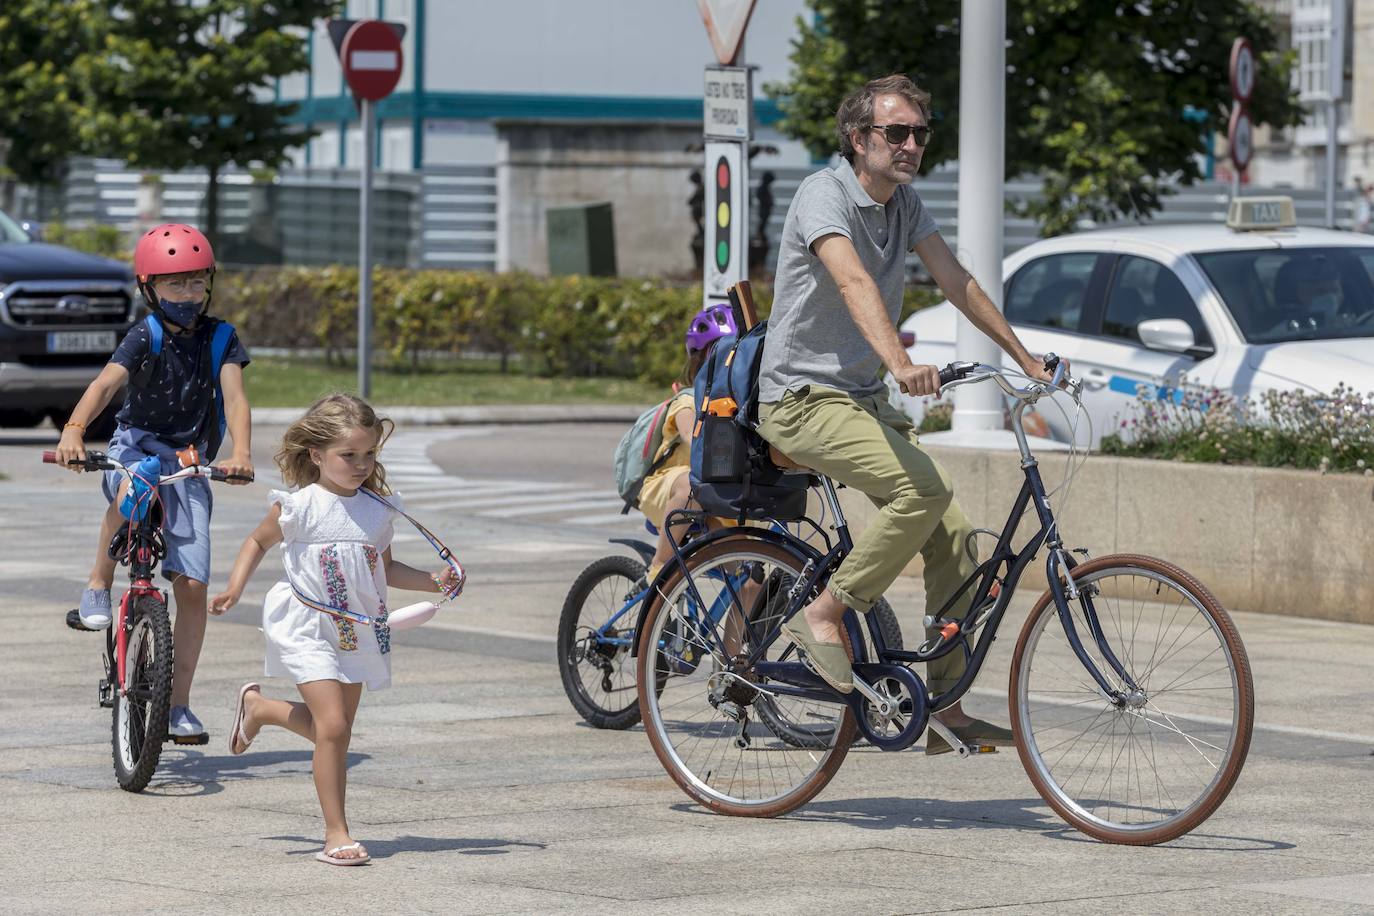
column 139, row 718
column 577, row 657
column 1213, row 699
column 710, row 777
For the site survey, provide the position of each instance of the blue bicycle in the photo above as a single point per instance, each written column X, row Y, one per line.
column 596, row 635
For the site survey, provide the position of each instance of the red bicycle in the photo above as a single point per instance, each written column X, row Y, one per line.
column 137, row 684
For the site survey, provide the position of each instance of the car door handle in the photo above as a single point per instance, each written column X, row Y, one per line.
column 1095, row 379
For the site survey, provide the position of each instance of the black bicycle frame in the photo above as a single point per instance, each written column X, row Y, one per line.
column 791, row 678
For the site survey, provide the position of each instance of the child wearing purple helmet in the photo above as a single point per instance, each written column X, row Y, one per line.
column 668, row 488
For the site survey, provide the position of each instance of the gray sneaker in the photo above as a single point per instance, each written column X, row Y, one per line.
column 95, row 608
column 183, row 723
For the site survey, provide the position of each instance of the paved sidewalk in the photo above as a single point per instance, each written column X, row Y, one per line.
column 478, row 790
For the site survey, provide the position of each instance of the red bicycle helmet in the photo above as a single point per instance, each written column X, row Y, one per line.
column 172, row 248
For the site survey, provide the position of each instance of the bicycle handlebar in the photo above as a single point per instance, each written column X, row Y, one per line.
column 99, row 461
column 956, row 373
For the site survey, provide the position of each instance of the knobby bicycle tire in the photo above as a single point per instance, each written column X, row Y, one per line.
column 596, row 712
column 139, row 719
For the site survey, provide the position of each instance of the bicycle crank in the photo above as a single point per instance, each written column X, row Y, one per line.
column 891, row 705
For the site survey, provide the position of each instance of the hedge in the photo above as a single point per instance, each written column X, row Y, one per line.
column 559, row 326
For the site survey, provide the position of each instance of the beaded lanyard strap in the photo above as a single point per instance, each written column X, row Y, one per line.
column 445, row 554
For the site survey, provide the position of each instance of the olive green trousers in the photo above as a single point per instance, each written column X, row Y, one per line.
column 868, row 445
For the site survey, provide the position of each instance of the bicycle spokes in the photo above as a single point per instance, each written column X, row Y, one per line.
column 1159, row 757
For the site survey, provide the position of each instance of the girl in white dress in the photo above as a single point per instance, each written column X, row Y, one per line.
column 336, row 547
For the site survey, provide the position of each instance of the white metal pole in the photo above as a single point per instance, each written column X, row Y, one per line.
column 982, row 157
column 1335, row 92
column 369, row 118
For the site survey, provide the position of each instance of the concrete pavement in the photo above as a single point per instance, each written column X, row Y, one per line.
column 478, row 790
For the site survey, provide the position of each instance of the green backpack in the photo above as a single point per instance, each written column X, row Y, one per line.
column 634, row 456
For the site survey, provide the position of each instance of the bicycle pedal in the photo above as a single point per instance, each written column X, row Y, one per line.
column 105, row 694
column 74, row 621
column 192, row 740
column 974, row 748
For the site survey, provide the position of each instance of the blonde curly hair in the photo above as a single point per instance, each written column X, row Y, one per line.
column 328, row 420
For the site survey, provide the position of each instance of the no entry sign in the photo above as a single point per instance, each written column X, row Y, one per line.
column 371, row 56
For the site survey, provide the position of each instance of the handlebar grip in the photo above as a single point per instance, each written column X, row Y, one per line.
column 221, row 474
column 955, row 371
column 50, row 457
column 1056, row 365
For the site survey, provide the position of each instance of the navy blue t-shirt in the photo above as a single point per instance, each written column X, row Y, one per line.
column 177, row 403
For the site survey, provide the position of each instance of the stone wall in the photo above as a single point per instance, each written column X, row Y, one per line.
column 1266, row 540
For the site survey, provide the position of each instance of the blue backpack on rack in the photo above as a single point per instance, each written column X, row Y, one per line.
column 732, row 474
column 219, row 346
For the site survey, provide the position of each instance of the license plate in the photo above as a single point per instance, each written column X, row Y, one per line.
column 81, row 341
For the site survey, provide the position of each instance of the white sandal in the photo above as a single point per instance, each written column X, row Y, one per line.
column 238, row 741
column 332, row 857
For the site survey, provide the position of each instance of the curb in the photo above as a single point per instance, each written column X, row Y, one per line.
column 476, row 415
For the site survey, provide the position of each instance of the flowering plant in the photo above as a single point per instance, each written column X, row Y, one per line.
column 1326, row 432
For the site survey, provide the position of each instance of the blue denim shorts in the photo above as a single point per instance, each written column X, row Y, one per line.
column 188, row 540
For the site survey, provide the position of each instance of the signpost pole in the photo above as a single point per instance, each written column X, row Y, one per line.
column 371, row 57
column 1335, row 92
column 369, row 126
column 727, row 127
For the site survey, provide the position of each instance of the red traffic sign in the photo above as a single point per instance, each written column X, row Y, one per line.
column 726, row 21
column 372, row 59
column 1242, row 70
column 1240, row 136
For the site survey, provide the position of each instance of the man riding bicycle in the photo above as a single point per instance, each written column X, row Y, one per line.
column 837, row 296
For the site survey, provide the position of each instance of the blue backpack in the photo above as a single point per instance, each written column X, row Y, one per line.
column 732, row 475
column 219, row 346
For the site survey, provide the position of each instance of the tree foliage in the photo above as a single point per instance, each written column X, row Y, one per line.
column 40, row 42
column 178, row 84
column 1096, row 89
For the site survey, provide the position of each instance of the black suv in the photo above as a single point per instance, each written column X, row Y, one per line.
column 62, row 313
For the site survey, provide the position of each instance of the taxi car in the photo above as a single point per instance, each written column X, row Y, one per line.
column 1253, row 305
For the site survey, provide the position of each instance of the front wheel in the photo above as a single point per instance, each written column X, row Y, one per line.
column 142, row 701
column 1158, row 764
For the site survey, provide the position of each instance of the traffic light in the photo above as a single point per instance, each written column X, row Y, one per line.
column 723, row 215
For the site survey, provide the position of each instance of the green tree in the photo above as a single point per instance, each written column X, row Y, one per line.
column 40, row 41
column 173, row 84
column 1096, row 89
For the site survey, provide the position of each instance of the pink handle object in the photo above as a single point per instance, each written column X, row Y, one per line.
column 412, row 615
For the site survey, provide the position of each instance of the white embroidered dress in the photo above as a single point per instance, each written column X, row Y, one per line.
column 332, row 549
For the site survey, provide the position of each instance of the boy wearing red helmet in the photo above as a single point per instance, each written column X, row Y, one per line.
column 172, row 401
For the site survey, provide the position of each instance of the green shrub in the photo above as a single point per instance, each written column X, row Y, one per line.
column 1283, row 429
column 106, row 241
column 938, row 418
column 558, row 326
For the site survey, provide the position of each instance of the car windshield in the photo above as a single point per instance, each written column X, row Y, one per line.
column 1287, row 294
column 10, row 231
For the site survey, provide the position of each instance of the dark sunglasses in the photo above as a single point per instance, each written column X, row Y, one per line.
column 896, row 134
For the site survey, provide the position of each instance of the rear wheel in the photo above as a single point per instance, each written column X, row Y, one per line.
column 141, row 704
column 1156, row 766
column 595, row 638
column 707, row 724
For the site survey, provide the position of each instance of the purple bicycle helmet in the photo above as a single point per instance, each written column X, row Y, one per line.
column 709, row 325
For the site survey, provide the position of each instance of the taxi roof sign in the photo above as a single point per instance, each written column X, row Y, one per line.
column 1251, row 213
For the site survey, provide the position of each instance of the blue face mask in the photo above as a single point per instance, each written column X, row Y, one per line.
column 182, row 314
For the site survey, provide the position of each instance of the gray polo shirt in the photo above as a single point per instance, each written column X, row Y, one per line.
column 812, row 339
